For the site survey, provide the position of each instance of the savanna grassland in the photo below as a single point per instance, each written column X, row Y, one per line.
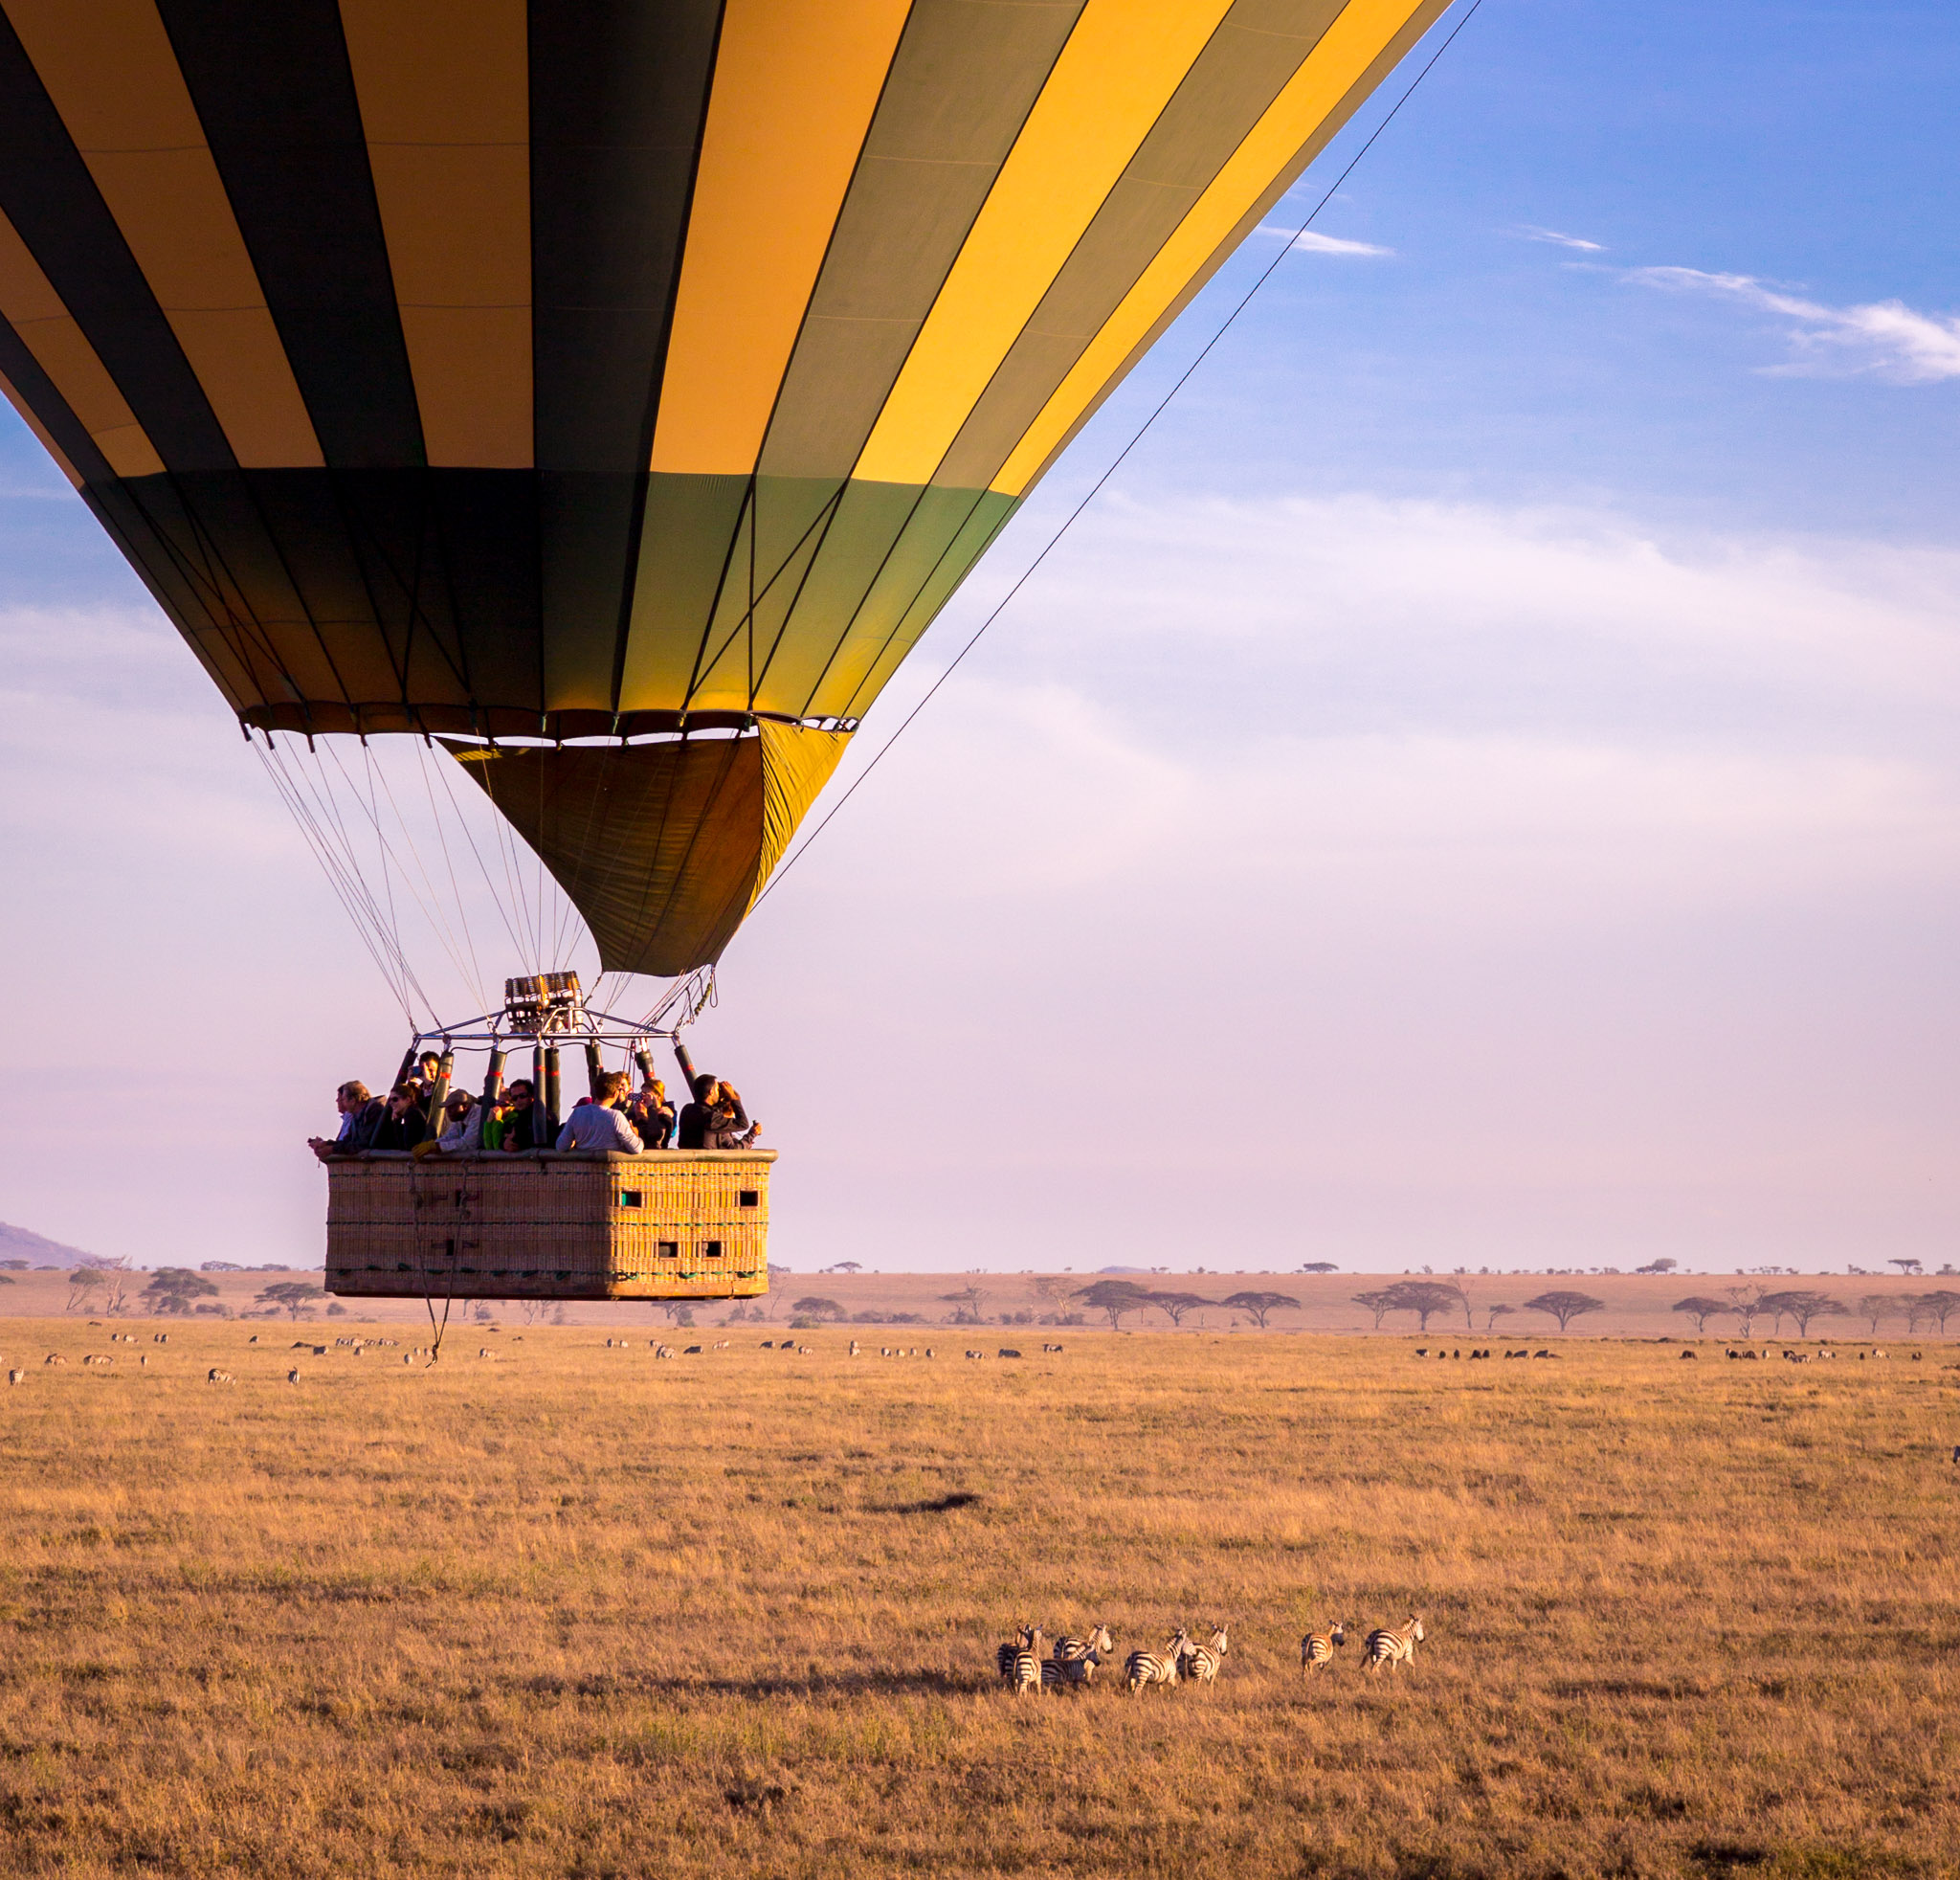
column 576, row 1610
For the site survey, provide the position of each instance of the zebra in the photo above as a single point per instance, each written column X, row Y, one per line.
column 1157, row 1668
column 1027, row 1665
column 1204, row 1658
column 1072, row 1673
column 1093, row 1647
column 1317, row 1648
column 1386, row 1647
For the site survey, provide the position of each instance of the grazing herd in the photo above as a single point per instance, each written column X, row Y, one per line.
column 1071, row 1662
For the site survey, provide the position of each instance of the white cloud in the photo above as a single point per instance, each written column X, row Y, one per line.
column 1310, row 241
column 1885, row 339
column 1559, row 240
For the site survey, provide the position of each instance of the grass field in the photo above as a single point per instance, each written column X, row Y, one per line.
column 576, row 1610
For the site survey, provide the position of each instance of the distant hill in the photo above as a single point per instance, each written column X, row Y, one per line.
column 21, row 1244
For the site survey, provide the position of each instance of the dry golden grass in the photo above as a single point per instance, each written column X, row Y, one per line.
column 573, row 1610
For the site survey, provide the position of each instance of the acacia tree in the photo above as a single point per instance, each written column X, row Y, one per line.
column 82, row 1282
column 1657, row 1266
column 1908, row 1268
column 815, row 1308
column 172, row 1288
column 1114, row 1298
column 1746, row 1302
column 1174, row 1305
column 1564, row 1306
column 291, row 1296
column 1425, row 1298
column 1939, row 1307
column 1258, row 1305
column 1320, row 1267
column 1492, row 1313
column 1877, row 1305
column 1700, row 1310
column 1804, row 1306
column 1380, row 1304
column 966, row 1303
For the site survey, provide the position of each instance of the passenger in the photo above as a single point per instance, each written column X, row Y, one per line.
column 694, row 1117
column 360, row 1116
column 428, row 1068
column 723, row 1130
column 404, row 1125
column 523, row 1125
column 599, row 1125
column 495, row 1112
column 460, row 1133
column 650, row 1114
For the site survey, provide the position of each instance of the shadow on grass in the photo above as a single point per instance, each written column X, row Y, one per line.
column 939, row 1504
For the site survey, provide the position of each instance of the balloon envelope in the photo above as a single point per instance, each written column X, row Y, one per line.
column 625, row 370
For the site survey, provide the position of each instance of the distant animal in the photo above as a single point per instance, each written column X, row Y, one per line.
column 1050, row 1348
column 1004, row 1657
column 1317, row 1649
column 1688, row 1355
column 1422, row 1351
column 54, row 1357
column 97, row 1357
column 769, row 1344
column 292, row 1377
column 802, row 1351
column 1088, row 1650
column 216, row 1377
column 691, row 1350
column 254, row 1339
column 663, row 1351
column 1544, row 1354
column 1143, row 1668
column 17, row 1376
column 976, row 1354
column 1203, row 1661
column 1386, row 1647
column 930, row 1352
column 1027, row 1669
column 1066, row 1674
column 854, row 1348
column 1006, row 1353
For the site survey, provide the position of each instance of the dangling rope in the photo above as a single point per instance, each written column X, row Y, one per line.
column 1096, row 489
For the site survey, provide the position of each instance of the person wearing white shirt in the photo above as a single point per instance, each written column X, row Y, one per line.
column 599, row 1125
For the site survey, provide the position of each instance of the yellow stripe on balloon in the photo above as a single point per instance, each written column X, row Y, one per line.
column 1324, row 79
column 1115, row 76
column 796, row 83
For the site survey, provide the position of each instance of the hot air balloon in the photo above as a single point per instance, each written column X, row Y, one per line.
column 613, row 392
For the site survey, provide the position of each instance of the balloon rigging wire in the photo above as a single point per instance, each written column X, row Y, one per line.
column 347, row 885
column 1136, row 437
column 432, row 910
column 476, row 975
column 443, row 770
column 387, row 931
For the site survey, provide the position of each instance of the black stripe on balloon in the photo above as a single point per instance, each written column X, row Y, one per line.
column 274, row 90
column 53, row 201
column 20, row 369
column 618, row 99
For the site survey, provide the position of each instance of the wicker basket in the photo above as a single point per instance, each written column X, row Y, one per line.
column 689, row 1225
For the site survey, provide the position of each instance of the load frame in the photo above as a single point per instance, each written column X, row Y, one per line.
column 542, row 1224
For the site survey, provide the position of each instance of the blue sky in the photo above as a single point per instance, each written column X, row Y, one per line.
column 1477, row 787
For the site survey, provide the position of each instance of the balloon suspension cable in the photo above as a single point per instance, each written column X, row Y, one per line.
column 1136, row 437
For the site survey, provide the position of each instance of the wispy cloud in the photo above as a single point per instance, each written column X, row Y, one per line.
column 1308, row 241
column 1884, row 339
column 1559, row 240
